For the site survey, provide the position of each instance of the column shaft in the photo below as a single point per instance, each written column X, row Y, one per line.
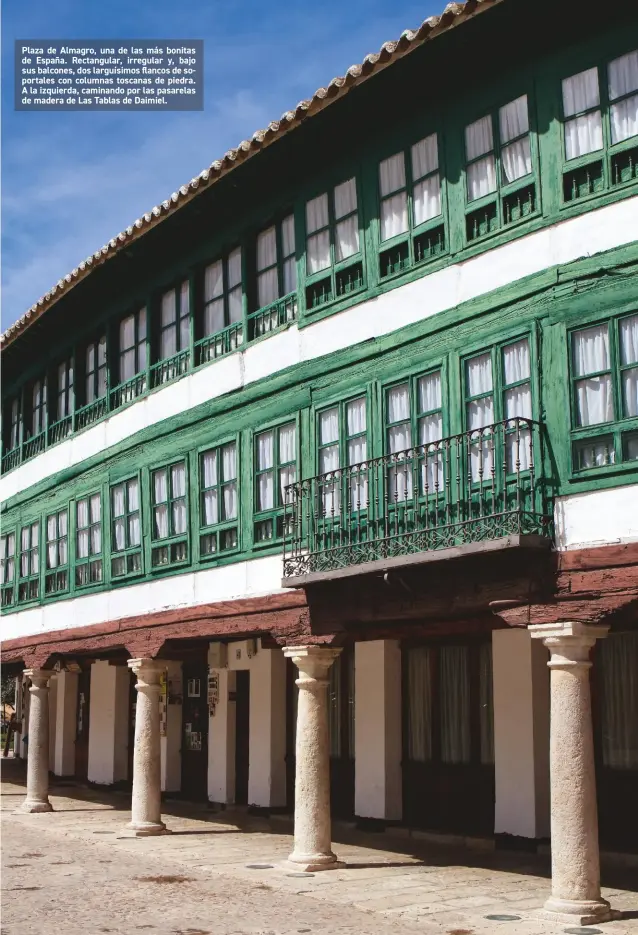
column 146, row 809
column 37, row 799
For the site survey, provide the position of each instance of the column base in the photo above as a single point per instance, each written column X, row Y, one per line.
column 32, row 808
column 311, row 863
column 144, row 829
column 577, row 911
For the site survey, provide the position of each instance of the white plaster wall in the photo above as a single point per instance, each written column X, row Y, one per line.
column 221, row 743
column 267, row 729
column 599, row 517
column 65, row 715
column 377, row 738
column 242, row 579
column 594, row 232
column 521, row 734
column 53, row 704
column 108, row 723
column 171, row 744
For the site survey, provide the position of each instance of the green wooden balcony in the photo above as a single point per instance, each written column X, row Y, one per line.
column 476, row 491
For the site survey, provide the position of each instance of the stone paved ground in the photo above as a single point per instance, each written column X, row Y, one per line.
column 71, row 870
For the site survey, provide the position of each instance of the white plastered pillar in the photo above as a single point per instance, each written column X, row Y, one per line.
column 108, row 723
column 267, row 732
column 65, row 723
column 170, row 744
column 377, row 738
column 576, row 894
column 521, row 734
column 37, row 799
column 146, row 799
column 312, row 845
column 221, row 742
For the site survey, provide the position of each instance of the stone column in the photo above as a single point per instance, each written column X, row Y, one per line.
column 312, row 849
column 37, row 799
column 574, row 817
column 146, row 810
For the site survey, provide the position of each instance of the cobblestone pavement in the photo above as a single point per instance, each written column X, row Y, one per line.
column 72, row 870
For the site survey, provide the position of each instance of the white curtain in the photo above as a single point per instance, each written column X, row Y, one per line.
column 345, row 198
column 425, row 157
column 63, row 529
column 24, row 557
column 419, row 705
column 184, row 316
column 399, row 439
column 82, row 518
column 234, row 268
column 96, row 508
column 394, row 209
column 356, row 416
column 427, row 199
column 287, row 453
column 429, row 391
column 623, row 78
column 134, row 505
column 213, row 281
column 127, row 352
column 318, row 246
column 209, row 479
column 160, row 495
column 288, row 247
column 229, row 475
column 517, row 402
column 178, row 483
column 430, row 432
column 516, row 362
column 169, row 308
column 480, row 412
column 82, row 514
column 454, row 694
column 481, row 175
column 267, row 282
column 629, row 355
column 357, row 451
column 329, row 459
column 118, row 512
column 619, row 665
column 265, row 485
column 391, row 174
column 168, row 336
column 479, row 375
column 591, row 354
column 347, row 238
column 235, row 310
column 52, row 547
column 583, row 134
column 513, row 123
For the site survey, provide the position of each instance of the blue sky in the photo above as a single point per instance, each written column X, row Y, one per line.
column 71, row 181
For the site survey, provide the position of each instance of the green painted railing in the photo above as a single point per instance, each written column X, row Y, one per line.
column 480, row 485
column 170, row 369
column 272, row 316
column 128, row 391
column 219, row 344
column 90, row 413
column 59, row 430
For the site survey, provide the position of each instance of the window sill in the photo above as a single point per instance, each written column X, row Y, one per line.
column 607, row 195
column 605, row 470
column 317, row 309
column 501, row 231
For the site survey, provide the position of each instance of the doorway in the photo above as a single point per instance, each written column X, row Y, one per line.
column 82, row 725
column 195, row 732
column 242, row 735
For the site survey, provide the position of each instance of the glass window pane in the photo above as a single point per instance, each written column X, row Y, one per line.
column 329, row 426
column 425, row 157
column 623, row 75
column 168, row 310
column 394, row 215
column 347, row 238
column 213, row 281
column 317, row 213
column 513, row 119
column 234, row 268
column 624, row 119
column 580, row 92
column 591, row 350
column 235, row 305
column 594, row 400
column 478, row 138
column 479, row 375
column 583, row 135
column 392, row 174
column 265, row 443
column 318, row 252
column 429, row 392
column 266, row 248
column 288, row 235
column 481, row 178
column 427, row 199
column 345, row 198
column 629, row 340
column 516, row 362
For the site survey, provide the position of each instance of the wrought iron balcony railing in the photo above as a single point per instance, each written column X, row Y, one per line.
column 481, row 485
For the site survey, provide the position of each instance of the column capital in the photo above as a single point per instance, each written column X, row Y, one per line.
column 148, row 671
column 569, row 643
column 39, row 677
column 313, row 661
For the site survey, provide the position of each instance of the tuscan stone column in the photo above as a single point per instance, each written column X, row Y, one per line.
column 146, row 810
column 574, row 817
column 37, row 799
column 312, row 848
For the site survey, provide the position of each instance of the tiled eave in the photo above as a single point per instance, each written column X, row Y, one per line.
column 453, row 15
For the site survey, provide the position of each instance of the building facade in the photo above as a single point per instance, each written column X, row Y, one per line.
column 354, row 414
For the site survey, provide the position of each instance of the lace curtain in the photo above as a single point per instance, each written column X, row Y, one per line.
column 178, row 484
column 318, row 245
column 265, row 481
column 514, row 122
column 623, row 79
column 347, row 231
column 481, row 175
column 584, row 133
column 267, row 282
column 287, row 453
column 629, row 355
column 394, row 207
column 619, row 670
column 594, row 394
column 419, row 705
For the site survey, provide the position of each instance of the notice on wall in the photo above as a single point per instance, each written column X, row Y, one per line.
column 109, row 74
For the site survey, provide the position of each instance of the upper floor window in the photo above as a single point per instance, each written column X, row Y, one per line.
column 12, row 424
column 604, row 370
column 88, row 540
column 410, row 200
column 64, row 403
column 38, row 406
column 600, row 113
column 342, row 453
column 499, row 160
column 126, row 531
column 276, row 264
column 275, row 469
column 7, row 567
column 414, row 426
column 29, row 582
column 57, row 552
column 332, row 239
column 175, row 321
column 132, row 345
column 95, row 374
column 223, row 295
column 170, row 515
column 218, row 508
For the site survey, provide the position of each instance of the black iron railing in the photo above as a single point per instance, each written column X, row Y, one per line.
column 480, row 485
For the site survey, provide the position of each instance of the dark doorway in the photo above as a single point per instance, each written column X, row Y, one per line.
column 242, row 732
column 195, row 732
column 82, row 724
column 341, row 734
column 132, row 702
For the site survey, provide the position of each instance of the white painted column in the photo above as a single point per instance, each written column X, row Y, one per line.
column 312, row 848
column 574, row 817
column 108, row 723
column 221, row 742
column 37, row 799
column 146, row 804
column 17, row 736
column 171, row 744
column 521, row 734
column 53, row 704
column 267, row 737
column 377, row 736
column 65, row 716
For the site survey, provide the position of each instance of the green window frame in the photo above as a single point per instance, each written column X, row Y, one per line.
column 56, row 574
column 38, row 407
column 169, row 515
column 7, row 568
column 29, row 577
column 501, row 168
column 599, row 114
column 96, row 373
column 275, row 291
column 221, row 317
column 603, row 366
column 334, row 244
column 88, row 563
column 174, row 336
column 275, row 467
column 411, row 192
column 64, row 389
column 133, row 354
column 415, row 420
column 343, row 443
column 126, row 528
column 12, row 424
column 218, row 500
